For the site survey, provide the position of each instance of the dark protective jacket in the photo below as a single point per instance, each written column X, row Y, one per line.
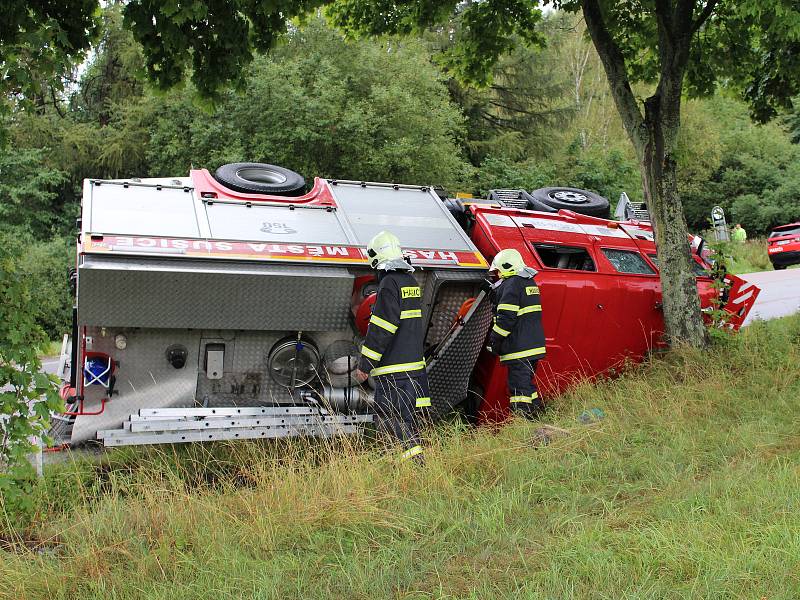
column 517, row 331
column 394, row 335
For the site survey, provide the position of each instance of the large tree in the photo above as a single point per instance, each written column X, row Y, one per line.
column 674, row 48
column 688, row 47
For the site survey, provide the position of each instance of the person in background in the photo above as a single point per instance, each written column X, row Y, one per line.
column 392, row 350
column 739, row 234
column 517, row 335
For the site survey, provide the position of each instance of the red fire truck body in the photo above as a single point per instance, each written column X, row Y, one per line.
column 600, row 293
column 205, row 313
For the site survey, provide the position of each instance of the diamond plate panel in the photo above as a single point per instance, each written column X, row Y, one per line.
column 144, row 377
column 146, row 380
column 450, row 297
column 449, row 373
column 245, row 381
column 119, row 292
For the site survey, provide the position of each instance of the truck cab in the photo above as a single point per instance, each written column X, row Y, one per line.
column 600, row 292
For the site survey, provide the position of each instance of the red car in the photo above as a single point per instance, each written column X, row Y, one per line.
column 784, row 246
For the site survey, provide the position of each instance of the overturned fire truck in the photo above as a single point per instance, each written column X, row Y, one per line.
column 233, row 307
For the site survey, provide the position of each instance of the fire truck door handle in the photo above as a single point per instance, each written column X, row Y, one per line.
column 600, row 306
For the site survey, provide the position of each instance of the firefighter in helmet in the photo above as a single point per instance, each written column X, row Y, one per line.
column 517, row 335
column 392, row 350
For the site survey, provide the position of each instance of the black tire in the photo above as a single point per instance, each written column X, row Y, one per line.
column 779, row 267
column 582, row 202
column 261, row 178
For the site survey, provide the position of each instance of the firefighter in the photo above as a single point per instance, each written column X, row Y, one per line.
column 392, row 350
column 517, row 335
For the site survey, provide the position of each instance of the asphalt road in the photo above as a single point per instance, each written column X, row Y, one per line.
column 50, row 364
column 779, row 297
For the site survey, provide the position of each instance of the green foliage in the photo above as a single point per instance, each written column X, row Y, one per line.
column 114, row 75
column 28, row 188
column 214, row 41
column 28, row 396
column 486, row 30
column 498, row 173
column 324, row 107
column 46, row 266
column 749, row 256
column 752, row 171
column 40, row 42
column 607, row 172
column 793, row 121
column 520, row 113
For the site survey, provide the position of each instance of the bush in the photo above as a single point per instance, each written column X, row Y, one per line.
column 756, row 180
column 606, row 172
column 47, row 265
column 28, row 396
column 499, row 173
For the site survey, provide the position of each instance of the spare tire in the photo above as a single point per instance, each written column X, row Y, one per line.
column 261, row 178
column 580, row 201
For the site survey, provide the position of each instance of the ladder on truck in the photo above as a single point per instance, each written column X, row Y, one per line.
column 627, row 210
column 179, row 425
column 511, row 198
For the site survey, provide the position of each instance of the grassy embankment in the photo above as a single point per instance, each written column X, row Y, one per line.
column 749, row 257
column 689, row 488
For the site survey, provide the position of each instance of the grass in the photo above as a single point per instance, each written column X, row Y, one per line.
column 689, row 488
column 51, row 348
column 750, row 256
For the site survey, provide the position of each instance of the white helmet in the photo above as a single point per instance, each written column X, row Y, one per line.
column 507, row 262
column 382, row 248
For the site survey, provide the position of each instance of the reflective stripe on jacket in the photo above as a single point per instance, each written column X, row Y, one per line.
column 517, row 330
column 395, row 334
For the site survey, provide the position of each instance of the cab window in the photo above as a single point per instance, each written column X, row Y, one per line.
column 574, row 258
column 697, row 268
column 627, row 261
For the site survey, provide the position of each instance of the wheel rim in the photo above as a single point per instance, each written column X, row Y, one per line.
column 569, row 197
column 261, row 175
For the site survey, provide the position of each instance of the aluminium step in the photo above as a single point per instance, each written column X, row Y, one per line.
column 177, row 425
column 229, row 411
column 126, row 438
column 230, row 423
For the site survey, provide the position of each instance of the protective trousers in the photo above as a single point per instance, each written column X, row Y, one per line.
column 396, row 400
column 522, row 392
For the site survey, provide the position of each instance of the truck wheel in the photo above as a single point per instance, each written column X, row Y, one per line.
column 582, row 202
column 261, row 178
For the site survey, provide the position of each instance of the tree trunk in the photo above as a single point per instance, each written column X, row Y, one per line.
column 681, row 302
column 654, row 137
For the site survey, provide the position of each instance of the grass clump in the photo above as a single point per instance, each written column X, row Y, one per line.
column 749, row 256
column 687, row 488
